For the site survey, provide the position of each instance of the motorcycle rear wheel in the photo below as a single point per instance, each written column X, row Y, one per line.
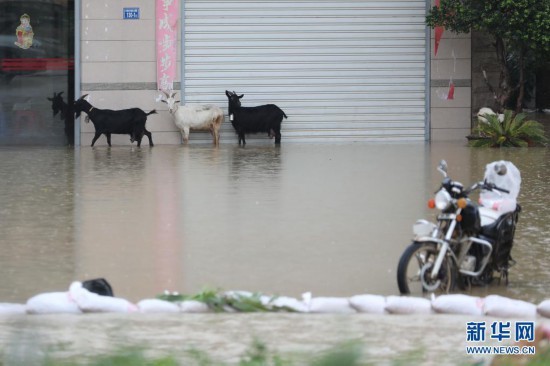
column 414, row 268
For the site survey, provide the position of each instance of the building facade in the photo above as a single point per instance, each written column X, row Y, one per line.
column 347, row 71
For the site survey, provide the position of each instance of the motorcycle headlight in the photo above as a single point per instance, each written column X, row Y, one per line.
column 442, row 199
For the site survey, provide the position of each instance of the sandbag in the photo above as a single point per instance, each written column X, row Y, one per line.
column 193, row 306
column 373, row 304
column 544, row 308
column 157, row 306
column 331, row 305
column 90, row 302
column 500, row 306
column 284, row 303
column 458, row 304
column 9, row 308
column 408, row 305
column 52, row 303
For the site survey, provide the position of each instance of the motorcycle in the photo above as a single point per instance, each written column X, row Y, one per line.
column 470, row 242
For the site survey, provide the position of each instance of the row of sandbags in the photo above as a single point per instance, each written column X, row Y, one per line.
column 79, row 300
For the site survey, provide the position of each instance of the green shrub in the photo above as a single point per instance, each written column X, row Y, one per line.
column 514, row 131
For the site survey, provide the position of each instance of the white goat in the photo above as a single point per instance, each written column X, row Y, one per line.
column 195, row 117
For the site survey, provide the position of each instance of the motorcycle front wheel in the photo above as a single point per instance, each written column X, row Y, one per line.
column 414, row 271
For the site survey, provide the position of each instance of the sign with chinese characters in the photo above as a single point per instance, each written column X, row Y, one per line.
column 522, row 331
column 167, row 12
column 130, row 13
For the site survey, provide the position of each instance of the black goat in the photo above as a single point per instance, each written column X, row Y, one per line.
column 263, row 118
column 66, row 113
column 127, row 121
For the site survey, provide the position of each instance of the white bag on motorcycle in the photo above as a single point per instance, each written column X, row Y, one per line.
column 505, row 175
column 458, row 304
column 408, row 305
column 500, row 306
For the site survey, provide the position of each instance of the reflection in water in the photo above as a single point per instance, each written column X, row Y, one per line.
column 36, row 220
column 331, row 219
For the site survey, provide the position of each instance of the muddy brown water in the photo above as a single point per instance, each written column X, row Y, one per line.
column 330, row 219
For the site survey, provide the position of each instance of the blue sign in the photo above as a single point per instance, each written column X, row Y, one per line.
column 131, row 13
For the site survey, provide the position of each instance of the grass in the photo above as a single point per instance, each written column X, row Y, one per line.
column 257, row 354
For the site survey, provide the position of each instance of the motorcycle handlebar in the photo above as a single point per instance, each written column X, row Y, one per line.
column 491, row 186
column 485, row 185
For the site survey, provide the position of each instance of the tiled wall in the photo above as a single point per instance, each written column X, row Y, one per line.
column 118, row 66
column 451, row 118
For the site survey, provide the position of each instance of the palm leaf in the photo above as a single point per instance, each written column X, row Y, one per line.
column 513, row 131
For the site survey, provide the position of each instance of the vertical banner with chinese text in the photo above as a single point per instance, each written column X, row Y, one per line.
column 167, row 12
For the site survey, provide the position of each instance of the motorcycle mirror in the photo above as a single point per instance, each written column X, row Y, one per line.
column 443, row 167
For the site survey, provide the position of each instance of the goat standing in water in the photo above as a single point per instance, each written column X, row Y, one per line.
column 263, row 118
column 126, row 121
column 66, row 113
column 195, row 116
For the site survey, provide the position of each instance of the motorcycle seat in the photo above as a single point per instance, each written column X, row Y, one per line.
column 494, row 220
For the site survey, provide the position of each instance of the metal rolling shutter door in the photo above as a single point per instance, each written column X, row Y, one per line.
column 342, row 71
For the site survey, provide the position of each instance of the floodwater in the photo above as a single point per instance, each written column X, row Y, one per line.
column 332, row 219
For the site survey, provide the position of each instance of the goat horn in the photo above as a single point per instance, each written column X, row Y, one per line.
column 84, row 96
column 165, row 93
column 173, row 95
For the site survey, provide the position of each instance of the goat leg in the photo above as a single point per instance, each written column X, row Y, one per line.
column 149, row 136
column 186, row 134
column 241, row 137
column 96, row 136
column 278, row 138
column 216, row 134
column 108, row 135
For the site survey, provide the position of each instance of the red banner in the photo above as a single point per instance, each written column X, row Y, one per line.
column 167, row 12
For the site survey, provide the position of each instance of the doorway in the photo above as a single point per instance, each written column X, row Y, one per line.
column 36, row 72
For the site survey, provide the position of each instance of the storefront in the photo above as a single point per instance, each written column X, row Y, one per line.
column 342, row 71
column 36, row 63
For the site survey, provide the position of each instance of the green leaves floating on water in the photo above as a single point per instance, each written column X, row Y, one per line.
column 220, row 301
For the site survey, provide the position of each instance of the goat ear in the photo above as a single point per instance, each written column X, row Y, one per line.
column 59, row 94
column 84, row 96
column 240, row 96
column 177, row 101
column 50, row 99
column 162, row 100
